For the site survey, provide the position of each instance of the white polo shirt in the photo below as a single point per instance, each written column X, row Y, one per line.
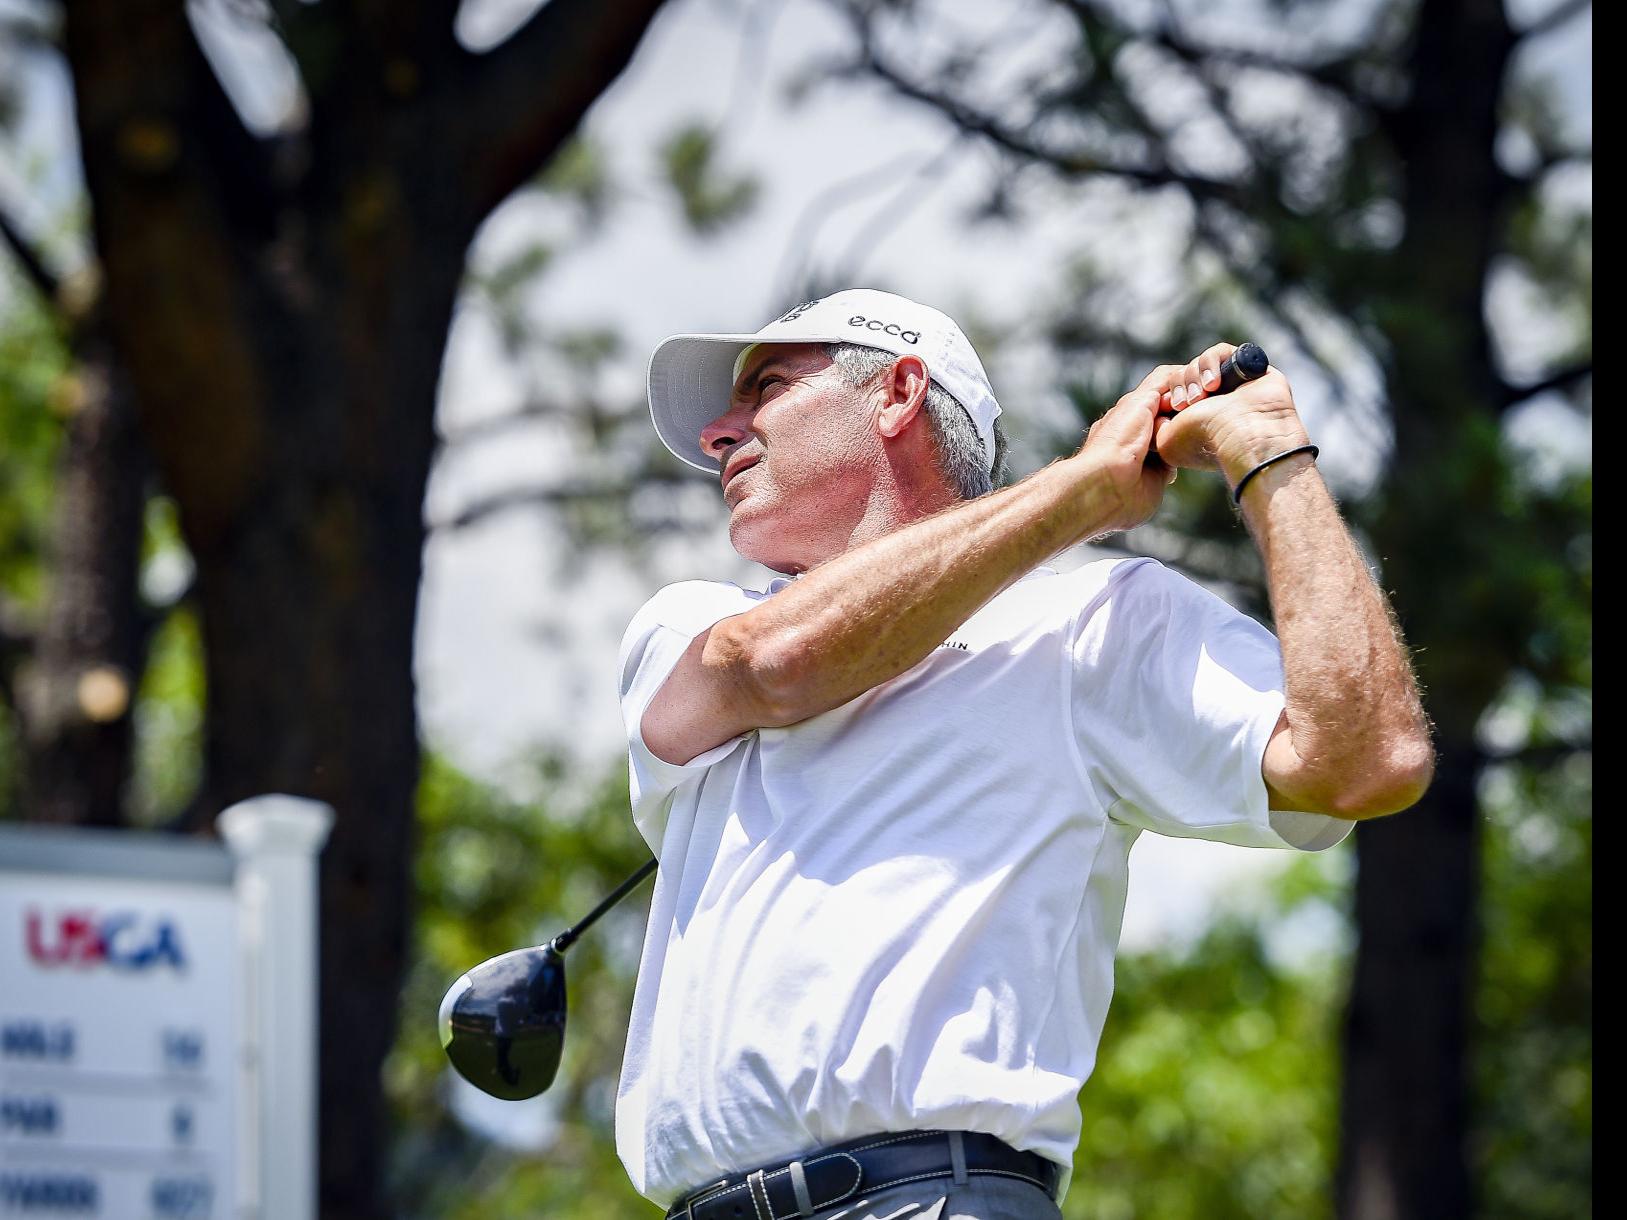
column 902, row 913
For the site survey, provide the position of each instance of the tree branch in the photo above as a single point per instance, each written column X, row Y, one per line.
column 1195, row 61
column 172, row 122
column 1563, row 379
column 1332, row 72
column 974, row 122
column 1543, row 754
column 555, row 497
column 599, row 420
column 791, row 279
column 34, row 268
column 516, row 104
column 1270, row 303
column 183, row 208
column 496, row 425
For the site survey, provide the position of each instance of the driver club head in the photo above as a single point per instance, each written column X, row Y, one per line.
column 503, row 1023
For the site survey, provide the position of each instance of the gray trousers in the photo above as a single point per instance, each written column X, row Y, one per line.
column 980, row 1197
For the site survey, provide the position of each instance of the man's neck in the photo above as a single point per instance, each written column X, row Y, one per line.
column 886, row 514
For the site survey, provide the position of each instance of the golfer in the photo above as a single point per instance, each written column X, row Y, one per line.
column 893, row 793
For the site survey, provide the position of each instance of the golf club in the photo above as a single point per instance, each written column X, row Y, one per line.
column 503, row 1023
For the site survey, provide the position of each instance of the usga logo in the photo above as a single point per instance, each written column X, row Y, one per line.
column 124, row 940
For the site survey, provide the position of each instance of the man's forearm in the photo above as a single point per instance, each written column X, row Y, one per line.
column 1354, row 716
column 874, row 612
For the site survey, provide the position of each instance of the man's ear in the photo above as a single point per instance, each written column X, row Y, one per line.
column 904, row 395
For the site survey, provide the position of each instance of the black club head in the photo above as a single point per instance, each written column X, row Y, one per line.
column 503, row 1023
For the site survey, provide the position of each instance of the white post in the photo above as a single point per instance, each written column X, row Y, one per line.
column 276, row 840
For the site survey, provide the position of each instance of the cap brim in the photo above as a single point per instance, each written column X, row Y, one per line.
column 690, row 380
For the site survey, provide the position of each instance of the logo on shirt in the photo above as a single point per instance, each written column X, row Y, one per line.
column 954, row 644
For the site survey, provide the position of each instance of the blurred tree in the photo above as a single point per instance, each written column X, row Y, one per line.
column 272, row 308
column 1215, row 1094
column 72, row 647
column 1361, row 186
column 1532, row 1087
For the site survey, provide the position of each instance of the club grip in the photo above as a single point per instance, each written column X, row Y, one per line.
column 1245, row 364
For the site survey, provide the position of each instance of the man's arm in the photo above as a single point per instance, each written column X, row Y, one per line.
column 871, row 614
column 1353, row 740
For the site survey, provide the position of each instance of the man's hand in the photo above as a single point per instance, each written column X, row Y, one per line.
column 1119, row 446
column 1232, row 433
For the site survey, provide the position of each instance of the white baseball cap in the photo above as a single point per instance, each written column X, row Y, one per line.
column 692, row 376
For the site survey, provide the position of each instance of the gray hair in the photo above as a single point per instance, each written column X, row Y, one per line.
column 962, row 460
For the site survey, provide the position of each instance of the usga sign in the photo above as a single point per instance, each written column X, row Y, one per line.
column 124, row 940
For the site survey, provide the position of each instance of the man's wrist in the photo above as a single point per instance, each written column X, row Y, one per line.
column 1236, row 462
column 1259, row 482
column 1095, row 502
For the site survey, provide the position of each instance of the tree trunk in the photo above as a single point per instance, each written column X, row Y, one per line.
column 1404, row 1106
column 308, row 612
column 1403, row 1141
column 286, row 365
column 76, row 693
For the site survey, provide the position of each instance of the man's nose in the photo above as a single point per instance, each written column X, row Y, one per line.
column 726, row 430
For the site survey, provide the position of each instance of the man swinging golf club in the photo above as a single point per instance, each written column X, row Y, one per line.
column 893, row 793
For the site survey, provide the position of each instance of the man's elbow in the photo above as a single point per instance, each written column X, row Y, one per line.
column 1382, row 786
column 767, row 675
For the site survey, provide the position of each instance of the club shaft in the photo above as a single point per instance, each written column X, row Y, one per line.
column 568, row 937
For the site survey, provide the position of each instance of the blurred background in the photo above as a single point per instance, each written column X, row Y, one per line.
column 325, row 469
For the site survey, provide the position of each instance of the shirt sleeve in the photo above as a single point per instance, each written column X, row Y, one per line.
column 1174, row 695
column 654, row 640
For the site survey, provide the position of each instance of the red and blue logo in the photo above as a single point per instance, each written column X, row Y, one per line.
column 123, row 940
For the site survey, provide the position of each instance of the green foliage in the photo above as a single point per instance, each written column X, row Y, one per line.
column 709, row 196
column 36, row 386
column 494, row 874
column 169, row 712
column 1215, row 1092
column 39, row 386
column 1533, row 1067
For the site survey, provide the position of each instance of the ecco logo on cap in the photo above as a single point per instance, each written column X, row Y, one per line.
column 886, row 328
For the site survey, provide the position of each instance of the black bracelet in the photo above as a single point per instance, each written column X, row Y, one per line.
column 1237, row 492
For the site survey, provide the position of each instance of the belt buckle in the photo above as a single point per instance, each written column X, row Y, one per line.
column 700, row 1195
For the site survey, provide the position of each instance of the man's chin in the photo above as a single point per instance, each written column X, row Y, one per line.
column 753, row 537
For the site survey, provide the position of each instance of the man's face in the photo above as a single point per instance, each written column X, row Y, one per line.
column 796, row 465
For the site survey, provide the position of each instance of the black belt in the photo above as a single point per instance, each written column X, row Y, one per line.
column 827, row 1176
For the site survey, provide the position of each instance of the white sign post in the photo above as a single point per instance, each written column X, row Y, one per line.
column 158, row 1020
column 276, row 840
